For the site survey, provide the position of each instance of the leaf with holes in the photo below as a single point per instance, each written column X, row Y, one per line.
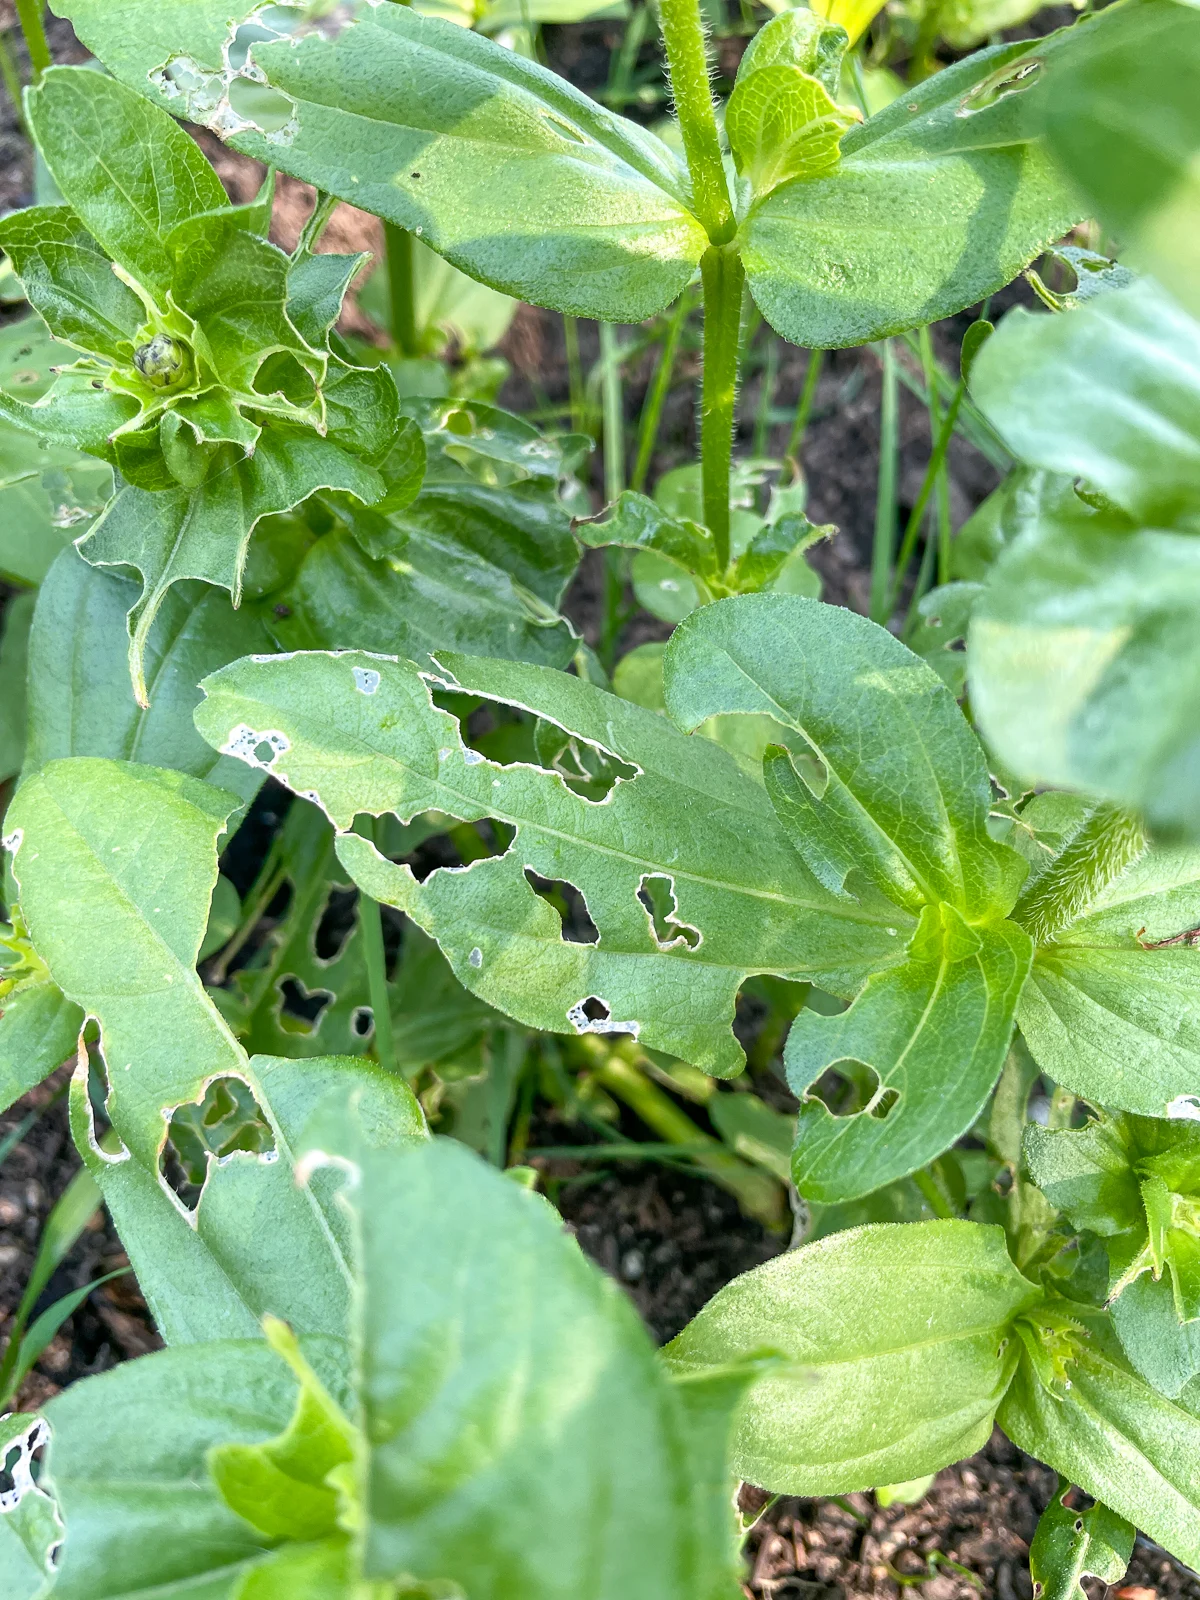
column 514, row 176
column 31, row 1529
column 359, row 733
column 897, row 1345
column 1070, row 1545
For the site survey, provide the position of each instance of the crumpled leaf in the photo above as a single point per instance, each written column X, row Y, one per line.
column 938, row 200
column 735, row 878
column 784, row 124
column 1070, row 1545
column 503, row 168
column 896, row 1343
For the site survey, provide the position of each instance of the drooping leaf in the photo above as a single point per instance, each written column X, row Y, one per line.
column 932, row 1035
column 506, row 170
column 896, row 1339
column 891, row 780
column 1107, row 1430
column 1124, row 123
column 80, row 699
column 1070, row 1545
column 938, row 200
column 358, row 733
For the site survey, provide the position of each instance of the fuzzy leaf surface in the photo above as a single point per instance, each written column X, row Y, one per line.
column 896, row 1339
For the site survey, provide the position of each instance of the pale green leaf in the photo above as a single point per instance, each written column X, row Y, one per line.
column 128, row 172
column 896, row 1339
column 359, row 733
column 1109, row 393
column 799, row 38
column 783, row 124
column 30, row 1526
column 503, row 168
column 938, row 201
column 39, row 1029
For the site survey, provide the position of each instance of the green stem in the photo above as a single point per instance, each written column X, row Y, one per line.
column 885, row 498
column 933, row 471
column 370, row 920
column 687, row 65
column 401, row 288
column 723, row 277
column 614, row 412
column 29, row 13
column 656, row 397
column 1109, row 841
column 575, row 376
column 326, row 205
column 942, row 480
column 756, row 1192
column 766, row 399
column 12, row 80
column 808, row 394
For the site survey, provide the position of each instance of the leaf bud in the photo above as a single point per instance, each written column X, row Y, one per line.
column 160, row 360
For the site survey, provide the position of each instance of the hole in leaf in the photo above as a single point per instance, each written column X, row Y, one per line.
column 657, row 894
column 336, row 924
column 594, row 1015
column 1008, row 80
column 225, row 1119
column 8, row 1483
column 362, row 1023
column 587, row 770
column 852, row 1087
column 577, row 924
column 302, row 1004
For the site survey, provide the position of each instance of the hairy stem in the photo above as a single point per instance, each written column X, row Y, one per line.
column 1109, row 841
column 29, row 13
column 723, row 277
column 687, row 64
column 401, row 288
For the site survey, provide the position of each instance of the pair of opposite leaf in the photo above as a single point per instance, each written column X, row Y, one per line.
column 524, row 183
column 862, row 861
column 208, row 376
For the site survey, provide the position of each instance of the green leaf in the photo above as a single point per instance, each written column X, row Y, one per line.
column 1070, row 1545
column 931, row 1035
column 510, row 173
column 14, row 655
column 30, row 1527
column 938, row 201
column 204, row 532
column 69, row 281
column 80, row 699
column 360, row 733
column 45, row 489
column 1123, row 122
column 1110, row 1009
column 128, row 1465
column 1109, row 393
column 889, row 781
column 39, row 1027
column 129, row 172
column 637, row 523
column 1081, row 624
column 783, row 124
column 897, row 1344
column 1109, row 1432
column 798, row 38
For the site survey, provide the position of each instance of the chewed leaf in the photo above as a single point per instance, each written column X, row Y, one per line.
column 784, row 124
column 934, row 1033
column 31, row 1529
column 688, row 815
column 1071, row 1544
